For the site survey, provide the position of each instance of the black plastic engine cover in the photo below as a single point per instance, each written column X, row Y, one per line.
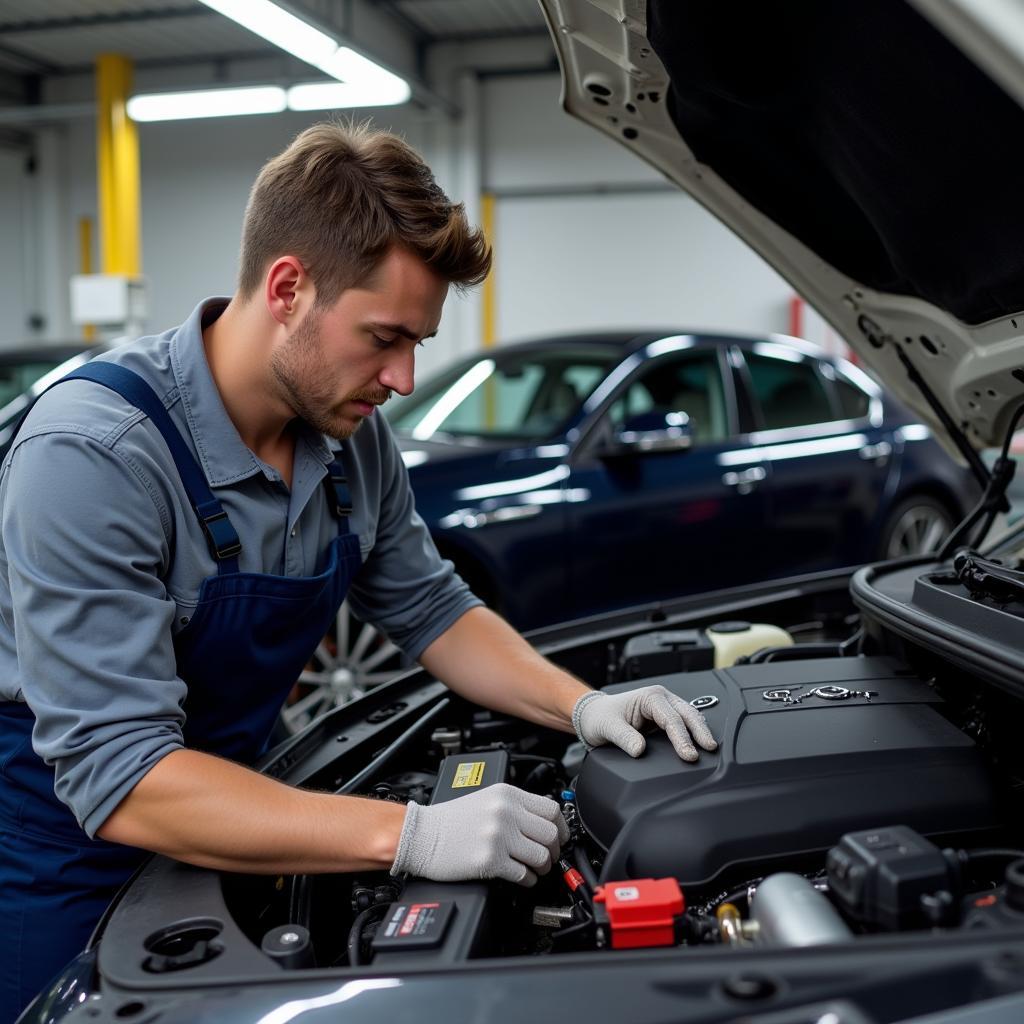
column 787, row 779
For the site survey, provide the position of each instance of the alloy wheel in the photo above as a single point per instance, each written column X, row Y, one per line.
column 919, row 530
column 354, row 658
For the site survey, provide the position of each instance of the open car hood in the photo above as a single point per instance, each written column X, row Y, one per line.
column 862, row 147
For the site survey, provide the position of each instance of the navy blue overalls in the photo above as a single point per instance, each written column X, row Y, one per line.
column 240, row 654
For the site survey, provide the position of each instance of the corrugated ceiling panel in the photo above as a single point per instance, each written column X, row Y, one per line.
column 197, row 31
column 448, row 18
column 14, row 11
column 204, row 33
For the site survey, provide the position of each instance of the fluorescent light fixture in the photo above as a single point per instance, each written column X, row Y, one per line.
column 279, row 27
column 362, row 83
column 369, row 85
column 348, row 66
column 333, row 95
column 178, row 106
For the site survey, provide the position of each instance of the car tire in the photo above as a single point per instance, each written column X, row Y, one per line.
column 916, row 526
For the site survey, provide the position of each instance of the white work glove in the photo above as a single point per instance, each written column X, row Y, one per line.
column 600, row 718
column 497, row 832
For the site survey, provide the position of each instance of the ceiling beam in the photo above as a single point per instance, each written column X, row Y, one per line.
column 409, row 24
column 491, row 36
column 9, row 28
column 17, row 88
column 29, row 63
column 13, row 138
column 483, row 35
column 196, row 60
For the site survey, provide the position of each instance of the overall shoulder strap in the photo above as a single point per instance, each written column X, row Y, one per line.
column 221, row 537
column 339, row 498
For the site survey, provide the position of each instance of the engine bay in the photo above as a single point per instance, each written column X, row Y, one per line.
column 864, row 790
column 843, row 802
column 847, row 799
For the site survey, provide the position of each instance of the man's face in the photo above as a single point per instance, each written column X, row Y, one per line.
column 340, row 363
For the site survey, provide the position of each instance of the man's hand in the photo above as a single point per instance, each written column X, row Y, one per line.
column 617, row 718
column 497, row 832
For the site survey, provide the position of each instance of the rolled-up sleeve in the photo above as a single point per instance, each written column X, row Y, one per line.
column 85, row 538
column 405, row 587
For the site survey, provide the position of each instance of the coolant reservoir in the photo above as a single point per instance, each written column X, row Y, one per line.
column 733, row 640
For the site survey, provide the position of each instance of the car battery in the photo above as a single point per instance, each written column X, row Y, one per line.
column 665, row 652
column 462, row 774
column 443, row 922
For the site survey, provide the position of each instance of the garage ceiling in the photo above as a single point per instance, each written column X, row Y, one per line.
column 64, row 36
column 444, row 20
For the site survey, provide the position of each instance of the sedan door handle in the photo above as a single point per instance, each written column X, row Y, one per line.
column 746, row 480
column 876, row 452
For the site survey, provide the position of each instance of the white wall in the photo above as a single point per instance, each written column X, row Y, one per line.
column 620, row 260
column 587, row 236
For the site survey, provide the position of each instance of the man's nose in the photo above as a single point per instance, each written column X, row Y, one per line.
column 399, row 372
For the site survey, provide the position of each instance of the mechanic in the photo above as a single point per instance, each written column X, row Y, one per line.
column 182, row 518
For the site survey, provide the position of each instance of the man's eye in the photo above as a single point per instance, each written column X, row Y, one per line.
column 383, row 342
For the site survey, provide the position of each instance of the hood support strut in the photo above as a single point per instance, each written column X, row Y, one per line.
column 974, row 460
column 877, row 338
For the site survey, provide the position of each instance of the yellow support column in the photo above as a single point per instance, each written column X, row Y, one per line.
column 117, row 170
column 85, row 264
column 489, row 330
column 489, row 317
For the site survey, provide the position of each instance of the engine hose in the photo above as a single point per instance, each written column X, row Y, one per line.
column 739, row 896
column 300, row 900
column 583, row 865
column 1006, row 854
column 574, row 929
column 973, row 856
column 355, row 934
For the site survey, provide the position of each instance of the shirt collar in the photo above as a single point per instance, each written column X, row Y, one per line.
column 223, row 454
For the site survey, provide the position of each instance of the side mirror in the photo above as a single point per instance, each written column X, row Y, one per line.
column 650, row 433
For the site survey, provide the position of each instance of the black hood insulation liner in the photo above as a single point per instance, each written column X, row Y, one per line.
column 861, row 130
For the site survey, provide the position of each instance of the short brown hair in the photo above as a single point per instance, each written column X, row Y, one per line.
column 339, row 197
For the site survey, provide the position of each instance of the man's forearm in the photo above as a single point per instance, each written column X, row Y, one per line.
column 213, row 813
column 483, row 659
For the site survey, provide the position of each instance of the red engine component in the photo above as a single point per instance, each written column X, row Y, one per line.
column 642, row 912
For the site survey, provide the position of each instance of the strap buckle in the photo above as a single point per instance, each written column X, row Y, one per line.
column 221, row 538
column 342, row 495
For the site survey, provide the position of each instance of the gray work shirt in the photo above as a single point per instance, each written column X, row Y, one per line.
column 102, row 557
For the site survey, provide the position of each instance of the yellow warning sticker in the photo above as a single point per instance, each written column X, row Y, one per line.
column 468, row 773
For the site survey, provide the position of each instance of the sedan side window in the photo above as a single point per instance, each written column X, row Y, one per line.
column 688, row 382
column 523, row 395
column 790, row 394
column 853, row 402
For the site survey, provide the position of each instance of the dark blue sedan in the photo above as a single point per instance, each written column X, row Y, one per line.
column 572, row 475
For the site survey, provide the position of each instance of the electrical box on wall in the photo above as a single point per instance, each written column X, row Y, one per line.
column 113, row 300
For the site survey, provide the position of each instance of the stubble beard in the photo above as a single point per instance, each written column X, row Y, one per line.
column 306, row 381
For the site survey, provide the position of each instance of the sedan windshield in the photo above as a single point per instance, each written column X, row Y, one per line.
column 525, row 396
column 17, row 374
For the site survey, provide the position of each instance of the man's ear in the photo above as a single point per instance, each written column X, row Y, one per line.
column 288, row 291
